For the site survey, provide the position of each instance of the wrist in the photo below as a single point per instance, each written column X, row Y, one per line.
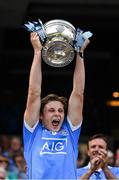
column 81, row 54
column 37, row 51
column 91, row 171
column 105, row 168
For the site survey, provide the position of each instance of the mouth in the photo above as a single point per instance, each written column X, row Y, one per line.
column 55, row 122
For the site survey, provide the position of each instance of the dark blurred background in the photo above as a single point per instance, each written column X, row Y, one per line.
column 101, row 61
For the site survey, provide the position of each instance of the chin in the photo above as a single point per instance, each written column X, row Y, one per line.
column 52, row 129
column 56, row 129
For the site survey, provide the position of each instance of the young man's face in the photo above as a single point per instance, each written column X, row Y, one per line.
column 53, row 115
column 95, row 146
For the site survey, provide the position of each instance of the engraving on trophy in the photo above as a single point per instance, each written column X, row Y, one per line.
column 60, row 28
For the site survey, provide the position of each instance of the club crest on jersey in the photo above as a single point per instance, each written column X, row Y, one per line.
column 63, row 132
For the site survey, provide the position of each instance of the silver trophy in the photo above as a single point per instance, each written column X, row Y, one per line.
column 58, row 49
column 60, row 39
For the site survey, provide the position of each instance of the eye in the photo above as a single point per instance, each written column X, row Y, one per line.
column 93, row 146
column 61, row 110
column 51, row 110
column 101, row 147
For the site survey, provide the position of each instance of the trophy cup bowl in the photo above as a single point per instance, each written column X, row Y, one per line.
column 58, row 48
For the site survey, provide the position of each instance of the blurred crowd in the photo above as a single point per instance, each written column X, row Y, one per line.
column 12, row 163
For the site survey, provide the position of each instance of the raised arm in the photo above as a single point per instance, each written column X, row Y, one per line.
column 32, row 111
column 75, row 106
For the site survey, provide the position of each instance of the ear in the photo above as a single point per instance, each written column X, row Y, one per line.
column 41, row 116
column 88, row 152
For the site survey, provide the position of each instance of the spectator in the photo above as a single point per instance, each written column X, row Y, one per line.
column 3, row 174
column 117, row 158
column 15, row 145
column 110, row 156
column 4, row 143
column 98, row 165
column 21, row 165
column 4, row 163
column 14, row 148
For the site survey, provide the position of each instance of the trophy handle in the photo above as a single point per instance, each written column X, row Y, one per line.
column 41, row 32
column 80, row 38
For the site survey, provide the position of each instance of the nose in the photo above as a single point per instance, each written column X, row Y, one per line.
column 97, row 148
column 57, row 113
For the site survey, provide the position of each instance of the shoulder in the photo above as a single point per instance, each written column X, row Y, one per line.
column 81, row 171
column 31, row 129
column 113, row 168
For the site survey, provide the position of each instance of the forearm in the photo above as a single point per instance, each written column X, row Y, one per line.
column 79, row 73
column 76, row 99
column 79, row 76
column 108, row 173
column 86, row 175
column 35, row 73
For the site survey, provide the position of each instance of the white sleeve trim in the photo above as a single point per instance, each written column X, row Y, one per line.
column 31, row 129
column 73, row 128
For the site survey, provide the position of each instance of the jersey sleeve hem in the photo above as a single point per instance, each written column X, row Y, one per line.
column 73, row 128
column 31, row 129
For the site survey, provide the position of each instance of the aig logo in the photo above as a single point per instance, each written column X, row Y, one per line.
column 54, row 146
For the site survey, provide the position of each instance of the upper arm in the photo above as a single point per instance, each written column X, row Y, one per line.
column 32, row 111
column 75, row 108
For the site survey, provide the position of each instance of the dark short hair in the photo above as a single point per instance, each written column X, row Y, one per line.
column 100, row 136
column 53, row 97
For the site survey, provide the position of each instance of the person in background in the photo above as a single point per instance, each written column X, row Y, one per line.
column 14, row 148
column 117, row 158
column 50, row 134
column 4, row 163
column 3, row 174
column 110, row 157
column 98, row 165
column 20, row 165
column 4, row 143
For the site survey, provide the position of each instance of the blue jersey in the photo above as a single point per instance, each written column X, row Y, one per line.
column 51, row 155
column 99, row 174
